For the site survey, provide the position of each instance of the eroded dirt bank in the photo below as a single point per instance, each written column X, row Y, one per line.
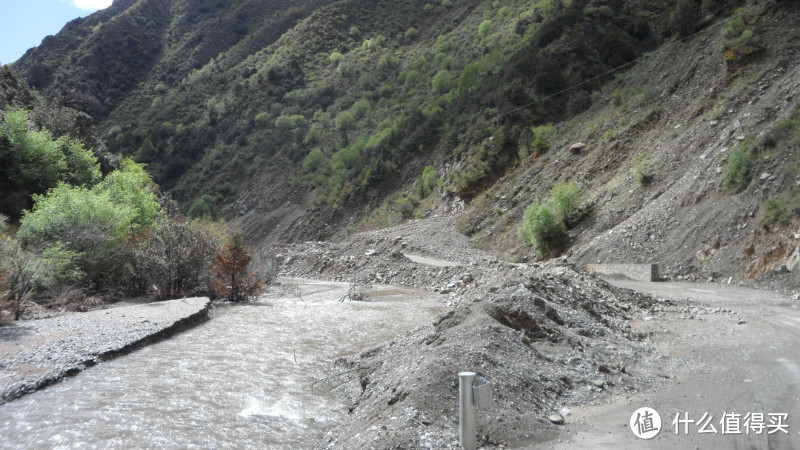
column 37, row 353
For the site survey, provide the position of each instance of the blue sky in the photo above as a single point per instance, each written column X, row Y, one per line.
column 24, row 23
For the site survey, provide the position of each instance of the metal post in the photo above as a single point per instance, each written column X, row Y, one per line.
column 467, row 412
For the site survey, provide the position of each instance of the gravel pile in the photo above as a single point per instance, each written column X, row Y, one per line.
column 545, row 335
column 37, row 353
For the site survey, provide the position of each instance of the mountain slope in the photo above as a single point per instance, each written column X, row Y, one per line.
column 206, row 92
column 309, row 119
column 679, row 115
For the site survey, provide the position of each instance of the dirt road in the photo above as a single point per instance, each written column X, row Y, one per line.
column 731, row 350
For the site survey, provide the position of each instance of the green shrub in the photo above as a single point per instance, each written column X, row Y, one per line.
column 204, row 207
column 314, row 160
column 411, row 33
column 485, row 27
column 147, row 151
column 173, row 258
column 684, row 19
column 167, row 129
column 312, row 136
column 566, row 197
column 365, row 82
column 468, row 81
column 420, row 64
column 405, row 207
column 734, row 28
column 441, row 82
column 644, row 174
column 430, row 180
column 233, row 279
column 542, row 137
column 386, row 91
column 412, row 77
column 776, row 211
column 386, row 61
column 336, row 58
column 262, row 120
column 740, row 168
column 345, row 121
column 543, row 228
column 360, row 109
column 298, row 121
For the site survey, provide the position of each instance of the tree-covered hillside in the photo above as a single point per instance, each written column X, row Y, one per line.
column 335, row 95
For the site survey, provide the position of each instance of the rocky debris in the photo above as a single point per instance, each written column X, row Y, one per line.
column 37, row 353
column 545, row 335
column 576, row 148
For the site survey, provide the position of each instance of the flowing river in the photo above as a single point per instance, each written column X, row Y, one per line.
column 245, row 379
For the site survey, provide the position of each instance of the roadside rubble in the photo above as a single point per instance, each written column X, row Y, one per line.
column 545, row 335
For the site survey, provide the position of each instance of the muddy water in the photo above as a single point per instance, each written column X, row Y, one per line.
column 243, row 380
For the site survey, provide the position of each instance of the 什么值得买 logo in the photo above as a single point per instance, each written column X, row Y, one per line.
column 645, row 423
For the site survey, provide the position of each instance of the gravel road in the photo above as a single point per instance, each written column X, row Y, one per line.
column 731, row 349
column 37, row 353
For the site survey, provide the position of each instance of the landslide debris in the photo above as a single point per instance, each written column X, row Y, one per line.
column 545, row 335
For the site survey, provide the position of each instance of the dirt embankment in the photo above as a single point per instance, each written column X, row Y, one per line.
column 37, row 353
column 545, row 335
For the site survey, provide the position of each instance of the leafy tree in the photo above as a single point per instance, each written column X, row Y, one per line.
column 231, row 279
column 32, row 161
column 94, row 223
